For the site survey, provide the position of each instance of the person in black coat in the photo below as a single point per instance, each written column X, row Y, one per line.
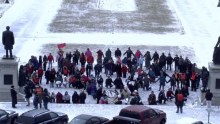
column 100, row 81
column 208, row 97
column 21, row 77
column 129, row 53
column 118, row 69
column 82, row 97
column 75, row 97
column 118, row 83
column 28, row 94
column 13, row 96
column 99, row 94
column 8, row 41
column 169, row 61
column 46, row 98
column 108, row 82
column 117, row 53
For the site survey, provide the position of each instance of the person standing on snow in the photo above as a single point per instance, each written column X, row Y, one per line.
column 208, row 97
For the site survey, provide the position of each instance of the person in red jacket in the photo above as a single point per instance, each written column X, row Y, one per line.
column 170, row 94
column 40, row 73
column 50, row 60
column 124, row 70
column 90, row 59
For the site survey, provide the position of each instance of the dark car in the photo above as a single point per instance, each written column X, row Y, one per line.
column 42, row 116
column 7, row 116
column 88, row 119
column 139, row 114
column 198, row 122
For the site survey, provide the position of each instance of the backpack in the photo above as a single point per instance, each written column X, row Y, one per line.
column 180, row 97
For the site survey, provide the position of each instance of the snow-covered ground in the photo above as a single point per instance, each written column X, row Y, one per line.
column 200, row 18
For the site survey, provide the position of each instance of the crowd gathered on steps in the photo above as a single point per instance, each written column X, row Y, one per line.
column 78, row 70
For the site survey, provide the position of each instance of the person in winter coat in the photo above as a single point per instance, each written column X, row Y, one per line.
column 180, row 64
column 129, row 53
column 88, row 69
column 208, row 97
column 59, row 80
column 141, row 61
column 82, row 97
column 170, row 94
column 82, row 59
column 152, row 99
column 162, row 97
column 99, row 94
column 193, row 81
column 155, row 57
column 99, row 56
column 162, row 62
column 176, row 62
column 100, row 81
column 75, row 98
column 47, row 75
column 136, row 100
column 138, row 55
column 118, row 69
column 36, row 100
column 66, row 98
column 118, row 83
column 108, row 54
column 172, row 82
column 46, row 98
column 88, row 53
column 59, row 98
column 39, row 92
column 52, row 97
column 13, row 96
column 124, row 70
column 162, row 80
column 117, row 53
column 108, row 82
column 45, row 60
column 169, row 61
column 52, row 77
column 28, row 94
column 98, row 69
column 179, row 102
column 21, row 76
column 146, row 83
column 204, row 77
column 50, row 60
column 147, row 57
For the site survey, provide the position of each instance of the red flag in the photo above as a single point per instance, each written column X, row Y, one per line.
column 61, row 45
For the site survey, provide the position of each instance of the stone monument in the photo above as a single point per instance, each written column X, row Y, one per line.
column 8, row 68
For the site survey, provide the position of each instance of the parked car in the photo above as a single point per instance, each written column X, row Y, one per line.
column 198, row 122
column 7, row 116
column 139, row 114
column 42, row 116
column 88, row 119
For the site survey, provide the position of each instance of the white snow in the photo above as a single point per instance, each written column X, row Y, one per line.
column 200, row 19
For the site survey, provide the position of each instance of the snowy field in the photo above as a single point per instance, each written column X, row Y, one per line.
column 197, row 23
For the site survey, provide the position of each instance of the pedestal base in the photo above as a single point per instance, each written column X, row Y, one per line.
column 214, row 82
column 8, row 77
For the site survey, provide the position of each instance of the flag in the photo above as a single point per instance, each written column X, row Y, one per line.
column 61, row 45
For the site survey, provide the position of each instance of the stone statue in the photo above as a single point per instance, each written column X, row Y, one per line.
column 8, row 41
column 216, row 53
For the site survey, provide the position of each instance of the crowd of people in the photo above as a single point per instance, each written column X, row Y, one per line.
column 132, row 72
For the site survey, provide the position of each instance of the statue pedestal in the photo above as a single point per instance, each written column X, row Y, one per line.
column 8, row 77
column 214, row 82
